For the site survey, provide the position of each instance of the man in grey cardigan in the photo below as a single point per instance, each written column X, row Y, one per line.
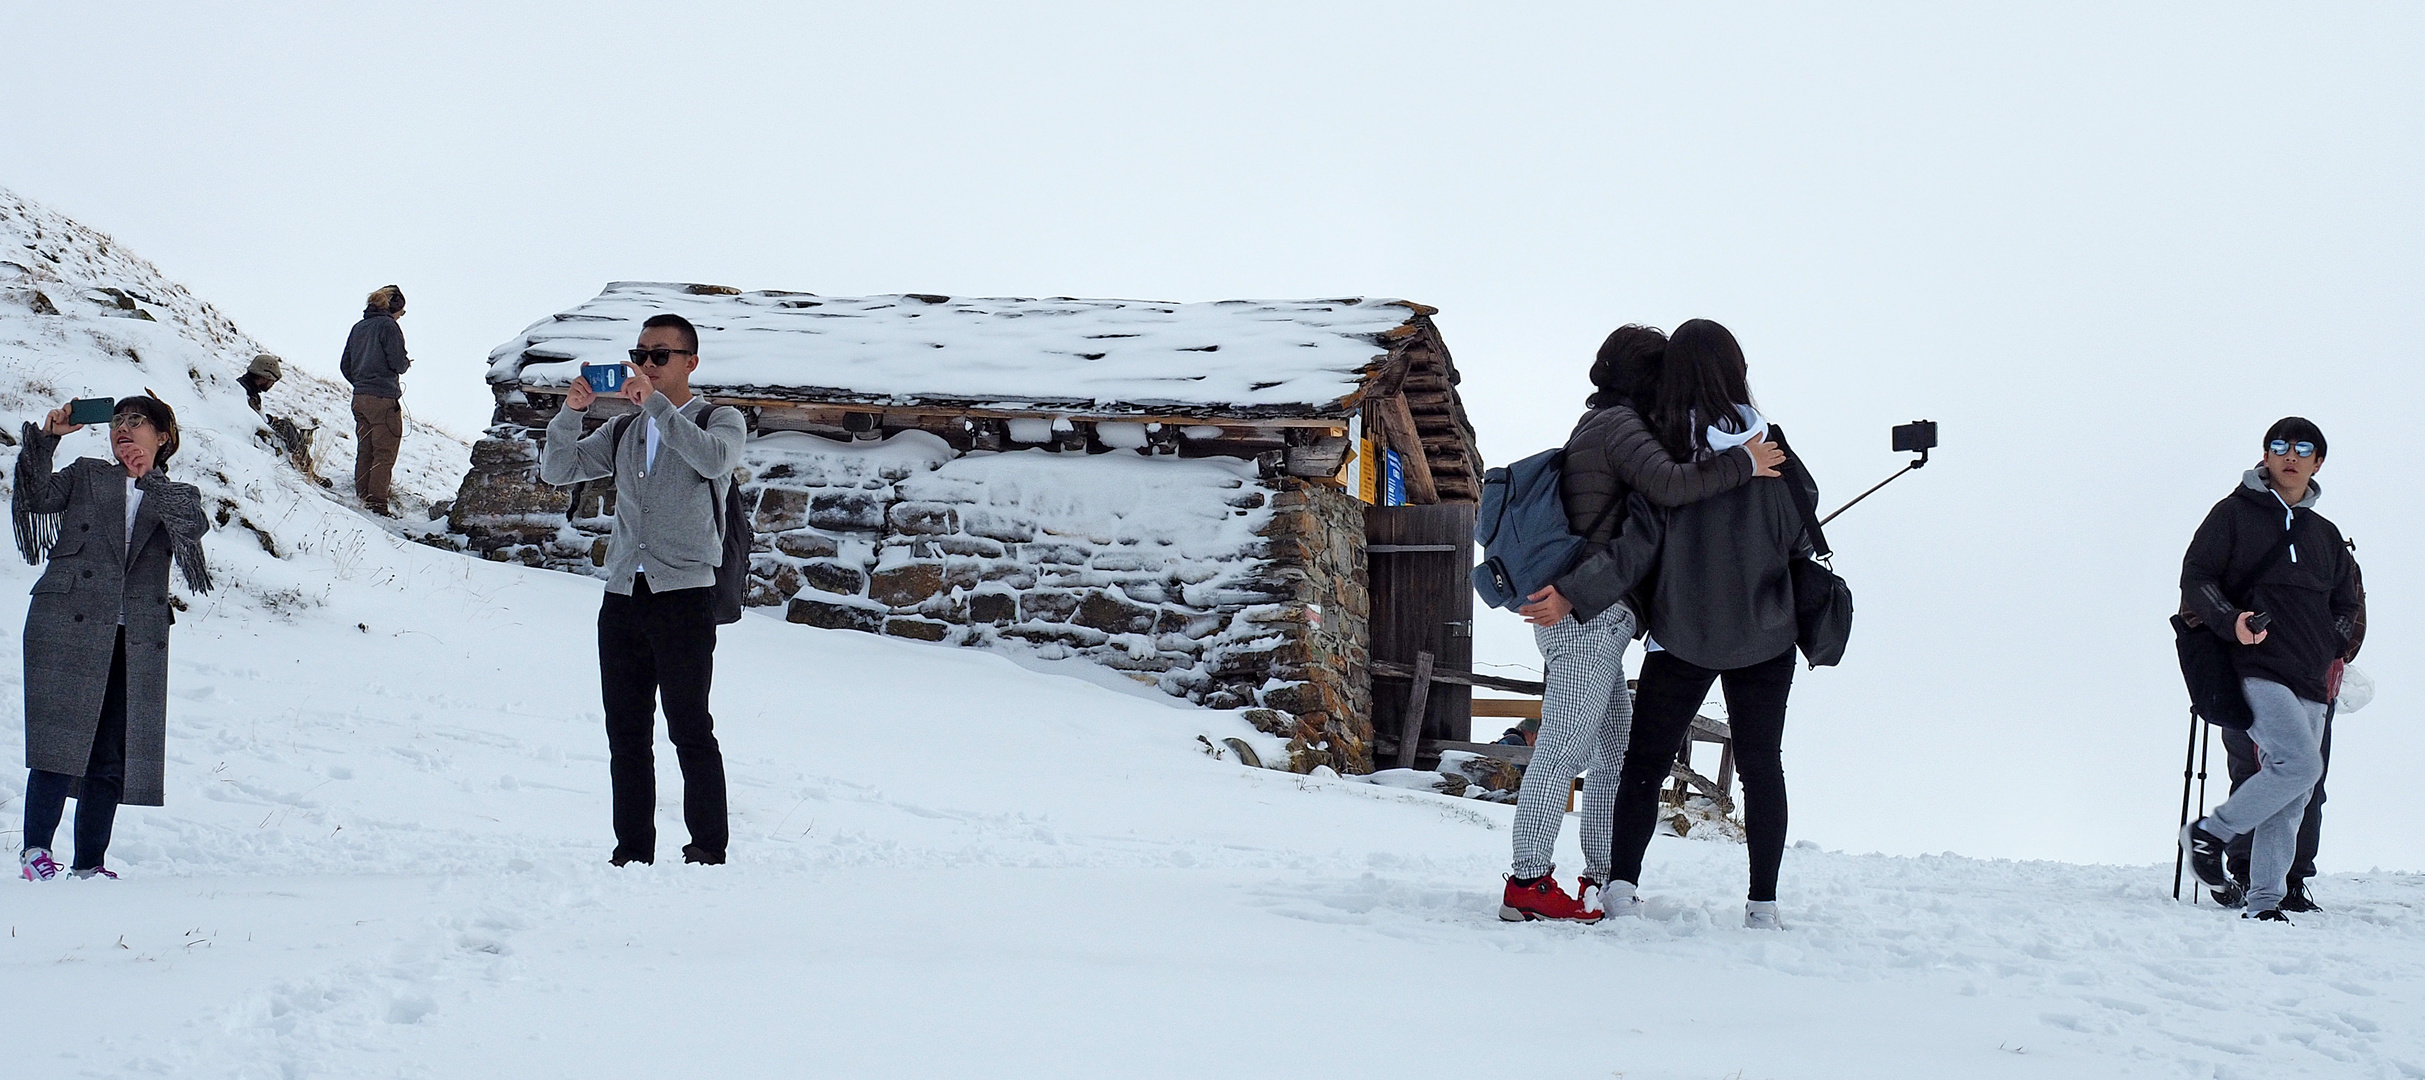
column 656, row 627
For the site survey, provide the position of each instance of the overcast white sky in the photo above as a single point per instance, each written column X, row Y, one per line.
column 2104, row 248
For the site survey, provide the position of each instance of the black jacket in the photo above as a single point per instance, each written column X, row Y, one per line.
column 1721, row 596
column 2311, row 593
column 374, row 356
column 1610, row 456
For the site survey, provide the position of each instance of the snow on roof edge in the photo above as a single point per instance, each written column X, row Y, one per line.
column 1249, row 357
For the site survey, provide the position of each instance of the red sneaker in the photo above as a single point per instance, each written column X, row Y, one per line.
column 1543, row 899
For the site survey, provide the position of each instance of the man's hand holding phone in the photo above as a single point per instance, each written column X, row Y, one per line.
column 578, row 396
column 637, row 386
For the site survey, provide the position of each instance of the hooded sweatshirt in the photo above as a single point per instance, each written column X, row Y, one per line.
column 2311, row 591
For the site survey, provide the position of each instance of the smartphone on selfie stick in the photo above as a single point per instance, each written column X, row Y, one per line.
column 1917, row 437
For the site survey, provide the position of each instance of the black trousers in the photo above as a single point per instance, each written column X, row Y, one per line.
column 660, row 646
column 1671, row 691
column 104, row 780
column 2240, row 759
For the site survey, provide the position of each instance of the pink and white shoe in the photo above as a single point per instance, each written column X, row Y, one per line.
column 91, row 872
column 36, row 864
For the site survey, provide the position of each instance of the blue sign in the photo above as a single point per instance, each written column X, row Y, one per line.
column 1393, row 479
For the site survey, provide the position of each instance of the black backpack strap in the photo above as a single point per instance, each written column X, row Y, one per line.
column 614, row 434
column 1796, row 483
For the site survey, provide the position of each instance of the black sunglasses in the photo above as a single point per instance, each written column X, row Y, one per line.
column 2284, row 446
column 659, row 357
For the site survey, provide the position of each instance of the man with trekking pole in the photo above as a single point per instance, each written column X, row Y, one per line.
column 2275, row 586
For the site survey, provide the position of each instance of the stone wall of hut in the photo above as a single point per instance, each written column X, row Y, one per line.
column 1198, row 576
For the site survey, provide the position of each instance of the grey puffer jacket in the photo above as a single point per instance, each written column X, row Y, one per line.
column 1611, row 457
column 374, row 358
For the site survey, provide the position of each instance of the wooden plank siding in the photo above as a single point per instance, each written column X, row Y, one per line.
column 1423, row 601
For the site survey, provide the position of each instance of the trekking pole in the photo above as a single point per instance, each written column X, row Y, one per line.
column 2205, row 754
column 2189, row 764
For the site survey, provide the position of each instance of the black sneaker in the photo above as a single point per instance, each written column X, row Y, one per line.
column 2205, row 854
column 2298, row 900
column 693, row 853
column 2234, row 895
column 2267, row 915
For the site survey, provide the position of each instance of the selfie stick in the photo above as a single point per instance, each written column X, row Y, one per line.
column 1920, row 461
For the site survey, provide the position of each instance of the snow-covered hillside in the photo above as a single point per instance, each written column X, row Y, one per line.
column 383, row 855
column 80, row 316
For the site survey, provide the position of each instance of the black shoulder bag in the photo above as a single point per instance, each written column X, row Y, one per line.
column 1822, row 602
column 2214, row 684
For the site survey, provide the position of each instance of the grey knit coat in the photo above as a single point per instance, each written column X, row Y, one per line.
column 71, row 626
column 669, row 520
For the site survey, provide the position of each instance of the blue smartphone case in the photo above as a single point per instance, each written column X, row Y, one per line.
column 603, row 378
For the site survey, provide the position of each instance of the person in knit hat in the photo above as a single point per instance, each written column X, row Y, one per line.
column 257, row 379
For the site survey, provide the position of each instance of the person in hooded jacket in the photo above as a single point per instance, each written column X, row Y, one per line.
column 96, row 633
column 1583, row 623
column 375, row 363
column 2308, row 593
column 1719, row 608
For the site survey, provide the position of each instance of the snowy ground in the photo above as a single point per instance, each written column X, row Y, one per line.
column 383, row 855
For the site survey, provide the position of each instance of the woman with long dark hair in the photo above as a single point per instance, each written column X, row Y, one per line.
column 96, row 634
column 1583, row 621
column 1720, row 609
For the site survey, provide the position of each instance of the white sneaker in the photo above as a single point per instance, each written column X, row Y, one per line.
column 36, row 864
column 1617, row 899
column 1761, row 915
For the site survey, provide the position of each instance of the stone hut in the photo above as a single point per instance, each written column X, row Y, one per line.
column 1235, row 502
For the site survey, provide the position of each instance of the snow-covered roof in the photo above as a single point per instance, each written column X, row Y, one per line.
column 1244, row 357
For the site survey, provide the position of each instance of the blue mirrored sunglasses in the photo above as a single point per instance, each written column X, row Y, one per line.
column 2284, row 446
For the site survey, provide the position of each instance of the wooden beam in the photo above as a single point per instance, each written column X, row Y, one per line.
column 1206, row 418
column 1508, row 708
column 1399, row 428
column 1418, row 702
column 1391, row 669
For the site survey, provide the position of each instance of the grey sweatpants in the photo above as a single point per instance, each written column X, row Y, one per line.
column 2289, row 733
column 1586, row 716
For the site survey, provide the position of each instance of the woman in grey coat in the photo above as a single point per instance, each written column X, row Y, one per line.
column 96, row 633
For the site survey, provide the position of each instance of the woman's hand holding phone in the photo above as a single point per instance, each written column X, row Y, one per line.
column 57, row 424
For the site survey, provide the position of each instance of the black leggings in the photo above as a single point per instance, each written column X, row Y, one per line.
column 1671, row 692
column 104, row 780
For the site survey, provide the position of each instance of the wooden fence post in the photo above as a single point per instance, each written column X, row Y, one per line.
column 1418, row 702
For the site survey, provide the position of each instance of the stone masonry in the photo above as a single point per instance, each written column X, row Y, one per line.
column 1200, row 577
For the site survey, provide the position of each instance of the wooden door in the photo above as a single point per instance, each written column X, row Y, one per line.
column 1420, row 562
